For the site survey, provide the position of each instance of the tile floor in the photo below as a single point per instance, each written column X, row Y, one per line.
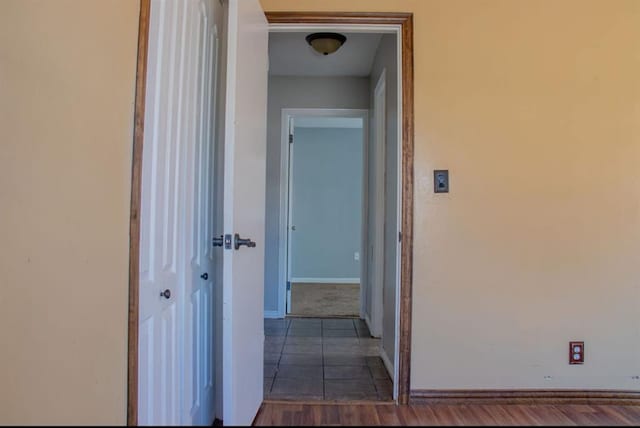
column 323, row 359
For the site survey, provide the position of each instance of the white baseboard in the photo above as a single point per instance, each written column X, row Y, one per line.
column 272, row 314
column 387, row 362
column 326, row 280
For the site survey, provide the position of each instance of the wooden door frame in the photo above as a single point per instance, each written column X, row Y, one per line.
column 134, row 218
column 405, row 20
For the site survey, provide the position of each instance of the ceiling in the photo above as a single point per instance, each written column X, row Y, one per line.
column 290, row 55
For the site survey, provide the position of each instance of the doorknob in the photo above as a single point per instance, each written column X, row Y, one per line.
column 166, row 293
column 217, row 242
column 293, row 227
column 242, row 241
column 204, row 276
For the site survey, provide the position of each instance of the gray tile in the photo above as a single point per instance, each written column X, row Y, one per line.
column 274, row 339
column 337, row 324
column 369, row 341
column 273, row 348
column 347, row 372
column 275, row 331
column 354, row 350
column 305, row 332
column 269, row 370
column 305, row 323
column 302, row 349
column 363, row 331
column 384, row 388
column 268, row 382
column 360, row 323
column 344, row 360
column 271, row 358
column 380, row 372
column 276, row 323
column 339, row 333
column 374, row 361
column 341, row 341
column 302, row 359
column 296, row 388
column 303, row 340
column 290, row 371
column 349, row 390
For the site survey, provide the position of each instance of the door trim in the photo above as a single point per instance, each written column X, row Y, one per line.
column 405, row 21
column 134, row 217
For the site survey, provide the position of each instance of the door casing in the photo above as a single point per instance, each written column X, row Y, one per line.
column 402, row 21
column 402, row 25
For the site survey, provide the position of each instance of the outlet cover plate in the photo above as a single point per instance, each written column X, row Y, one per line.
column 576, row 352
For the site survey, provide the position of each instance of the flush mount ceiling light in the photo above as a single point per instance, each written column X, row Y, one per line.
column 325, row 43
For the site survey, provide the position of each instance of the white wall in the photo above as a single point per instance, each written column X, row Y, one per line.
column 297, row 92
column 386, row 59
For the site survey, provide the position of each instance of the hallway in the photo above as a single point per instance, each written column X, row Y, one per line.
column 323, row 359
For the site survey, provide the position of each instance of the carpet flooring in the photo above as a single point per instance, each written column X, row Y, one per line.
column 325, row 300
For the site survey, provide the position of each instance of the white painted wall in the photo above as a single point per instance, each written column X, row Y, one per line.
column 297, row 92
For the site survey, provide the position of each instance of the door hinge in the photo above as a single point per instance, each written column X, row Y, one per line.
column 290, row 138
column 399, row 236
column 288, row 286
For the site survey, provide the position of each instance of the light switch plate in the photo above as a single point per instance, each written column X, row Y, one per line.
column 441, row 181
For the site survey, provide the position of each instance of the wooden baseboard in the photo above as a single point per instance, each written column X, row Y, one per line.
column 523, row 396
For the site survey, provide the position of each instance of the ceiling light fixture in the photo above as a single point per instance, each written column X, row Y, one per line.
column 326, row 43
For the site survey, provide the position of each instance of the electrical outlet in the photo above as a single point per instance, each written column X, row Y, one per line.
column 356, row 256
column 576, row 352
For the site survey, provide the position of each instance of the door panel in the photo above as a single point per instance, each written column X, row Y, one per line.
column 158, row 355
column 244, row 199
column 175, row 347
column 199, row 276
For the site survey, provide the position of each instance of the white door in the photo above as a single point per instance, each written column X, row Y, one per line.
column 200, row 78
column 244, row 205
column 175, row 340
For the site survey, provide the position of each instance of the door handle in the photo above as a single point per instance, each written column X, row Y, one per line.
column 242, row 241
column 166, row 294
column 217, row 242
column 204, row 276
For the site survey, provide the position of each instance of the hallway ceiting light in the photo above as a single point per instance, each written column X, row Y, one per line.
column 325, row 43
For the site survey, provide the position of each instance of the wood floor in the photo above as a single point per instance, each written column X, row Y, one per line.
column 287, row 414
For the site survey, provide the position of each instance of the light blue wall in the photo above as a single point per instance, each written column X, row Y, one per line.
column 326, row 202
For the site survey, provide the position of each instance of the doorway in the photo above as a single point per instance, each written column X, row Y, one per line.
column 322, row 185
column 339, row 151
column 241, row 399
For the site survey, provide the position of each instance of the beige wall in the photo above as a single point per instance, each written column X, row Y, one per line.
column 534, row 107
column 67, row 75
